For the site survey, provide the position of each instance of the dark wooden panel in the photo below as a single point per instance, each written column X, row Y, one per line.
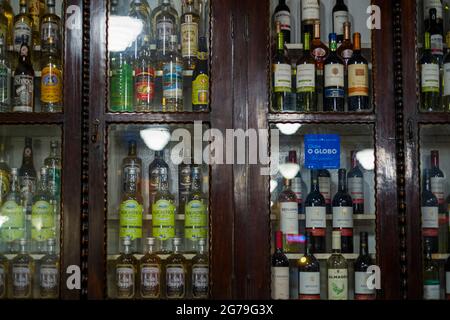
column 156, row 117
column 322, row 117
column 433, row 117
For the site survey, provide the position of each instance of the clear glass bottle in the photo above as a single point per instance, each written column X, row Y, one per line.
column 200, row 272
column 150, row 272
column 140, row 10
column 158, row 171
column 337, row 271
column 131, row 161
column 22, row 271
column 51, row 28
column 23, row 85
column 173, row 79
column 54, row 165
column 5, row 79
column 36, row 9
column 189, row 34
column 5, row 174
column 163, row 211
column 51, row 78
column 144, row 79
column 306, row 79
column 27, row 176
column 126, row 271
column 49, row 272
column 176, row 273
column 23, row 27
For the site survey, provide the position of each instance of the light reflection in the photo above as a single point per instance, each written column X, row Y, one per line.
column 156, row 138
column 289, row 170
column 273, row 185
column 288, row 129
column 123, row 31
column 366, row 158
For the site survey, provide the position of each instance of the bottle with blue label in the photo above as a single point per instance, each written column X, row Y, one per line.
column 173, row 79
column 334, row 94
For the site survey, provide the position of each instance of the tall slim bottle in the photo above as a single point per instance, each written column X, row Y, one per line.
column 51, row 78
column 22, row 271
column 36, row 9
column 200, row 272
column 49, row 269
column 282, row 76
column 5, row 79
column 176, row 273
column 306, row 79
column 5, row 174
column 334, row 93
column 23, row 84
column 51, row 27
column 362, row 263
column 189, row 34
column 53, row 165
column 355, row 179
column 431, row 280
column 9, row 15
column 173, row 78
column 126, row 271
column 430, row 214
column 150, row 270
column 23, row 28
column 315, row 210
column 430, row 83
column 337, row 271
column 200, row 79
column 358, row 78
column 27, row 176
column 308, row 273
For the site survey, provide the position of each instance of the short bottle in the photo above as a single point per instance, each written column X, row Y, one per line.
column 22, row 271
column 49, row 272
column 200, row 272
column 337, row 271
column 308, row 273
column 280, row 270
column 176, row 273
column 150, row 269
column 126, row 271
column 431, row 280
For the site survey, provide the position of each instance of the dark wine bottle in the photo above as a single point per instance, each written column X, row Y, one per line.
column 430, row 215
column 436, row 36
column 433, row 4
column 431, row 281
column 280, row 270
column 355, row 180
column 282, row 76
column 364, row 261
column 447, row 279
column 315, row 209
column 358, row 78
column 334, row 94
column 438, row 181
column 324, row 179
column 282, row 15
column 297, row 182
column 308, row 273
column 430, row 83
column 340, row 16
column 343, row 213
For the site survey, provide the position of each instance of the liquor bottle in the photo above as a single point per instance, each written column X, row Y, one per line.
column 315, row 210
column 430, row 214
column 13, row 213
column 310, row 13
column 337, row 271
column 43, row 224
column 200, row 272
column 4, row 269
column 280, row 270
column 36, row 9
column 131, row 211
column 51, row 79
column 282, row 15
column 5, row 79
column 139, row 10
column 324, row 179
column 158, row 171
column 282, row 76
column 173, row 79
column 447, row 279
column 53, row 165
column 3, row 25
column 308, row 273
column 121, row 83
column 436, row 36
column 432, row 4
column 430, row 87
column 306, row 79
column 5, row 174
column 343, row 213
column 184, row 179
column 297, row 182
column 334, row 94
column 438, row 181
column 358, row 78
column 49, row 272
column 446, row 77
column 27, row 176
column 319, row 50
column 340, row 16
column 23, row 26
column 355, row 179
column 131, row 161
column 196, row 213
column 289, row 223
column 200, row 79
column 176, row 273
column 431, row 280
column 362, row 263
column 144, row 79
column 51, row 28
column 22, row 271
column 189, row 34
column 6, row 8
column 345, row 50
column 150, row 272
column 126, row 270
column 23, row 85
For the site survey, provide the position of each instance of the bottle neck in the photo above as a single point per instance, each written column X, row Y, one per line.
column 126, row 249
column 427, row 183
column 307, row 43
column 342, row 185
column 201, row 249
column 336, row 243
column 363, row 247
column 27, row 156
column 308, row 246
column 51, row 9
column 315, row 185
column 23, row 248
column 196, row 184
column 435, row 160
column 280, row 43
column 176, row 248
column 151, row 248
column 132, row 152
column 287, row 184
column 333, row 46
column 427, row 44
column 23, row 8
column 51, row 249
column 43, row 184
column 15, row 186
column 317, row 32
column 131, row 185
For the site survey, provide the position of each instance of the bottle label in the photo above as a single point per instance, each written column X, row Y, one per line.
column 13, row 227
column 51, row 85
column 189, row 38
column 446, row 79
column 49, row 29
column 144, row 84
column 173, row 81
column 430, row 217
column 5, row 85
column 4, row 184
column 200, row 280
column 200, row 90
column 21, row 275
column 157, row 175
column 125, row 280
column 43, row 221
column 361, row 287
column 430, row 77
column 121, row 87
column 319, row 53
column 164, row 29
column 54, row 181
column 334, row 75
column 343, row 217
column 48, row 277
column 306, row 78
column 316, row 217
column 284, row 18
column 196, row 220
column 280, row 283
column 347, row 53
column 24, row 93
column 175, row 281
column 282, row 75
column 431, row 290
column 22, row 32
column 325, row 188
column 297, row 189
column 356, row 189
column 27, row 187
column 163, row 219
column 289, row 217
column 310, row 10
column 339, row 18
column 309, row 283
column 432, row 4
column 447, row 282
column 358, row 80
column 437, row 45
column 131, row 219
column 437, row 188
column 337, row 284
column 150, row 280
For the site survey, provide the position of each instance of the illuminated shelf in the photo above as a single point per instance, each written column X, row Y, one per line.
column 359, row 217
column 325, row 256
column 112, row 257
column 147, row 217
column 441, row 256
column 34, row 256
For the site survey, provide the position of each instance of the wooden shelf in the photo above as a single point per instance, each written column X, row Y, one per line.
column 344, row 117
column 434, row 117
column 157, row 117
column 112, row 257
column 31, row 118
column 357, row 217
column 325, row 256
column 441, row 256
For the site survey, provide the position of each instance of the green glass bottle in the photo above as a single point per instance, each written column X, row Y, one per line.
column 306, row 79
column 282, row 76
column 429, row 67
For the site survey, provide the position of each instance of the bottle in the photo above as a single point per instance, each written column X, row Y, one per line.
column 131, row 211
column 140, row 11
column 438, row 181
column 358, row 78
column 297, row 182
column 132, row 161
column 334, row 94
column 176, row 273
column 196, row 213
column 6, row 8
column 324, row 179
column 121, row 82
column 436, row 36
column 51, row 79
column 158, row 171
column 27, row 176
column 430, row 87
column 22, row 271
column 5, row 174
column 289, row 223
column 200, row 79
column 340, row 16
column 282, row 77
column 447, row 279
column 36, row 9
column 53, row 165
column 310, row 13
column 306, row 79
column 355, row 179
column 430, row 214
column 23, row 26
column 315, row 209
column 362, row 263
column 126, row 270
column 308, row 273
column 319, row 50
column 23, row 85
column 200, row 272
column 431, row 280
column 432, row 4
column 150, row 272
column 51, row 28
column 173, row 79
column 184, row 179
column 4, row 270
column 282, row 15
column 337, row 271
column 5, row 79
column 13, row 213
column 345, row 50
column 49, row 272
column 3, row 25
column 343, row 213
column 144, row 79
column 280, row 270
column 189, row 34
column 446, row 77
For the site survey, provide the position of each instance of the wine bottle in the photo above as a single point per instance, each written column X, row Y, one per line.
column 334, row 94
column 362, row 263
column 306, row 79
column 358, row 78
column 337, row 271
column 355, row 180
column 436, row 36
column 432, row 4
column 324, row 179
column 343, row 213
column 297, row 182
column 345, row 50
column 310, row 13
column 282, row 76
column 282, row 15
column 447, row 279
column 340, row 16
column 437, row 181
column 315, row 209
column 308, row 273
column 430, row 84
column 430, row 214
column 280, row 270
column 446, row 77
column 319, row 50
column 289, row 223
column 431, row 282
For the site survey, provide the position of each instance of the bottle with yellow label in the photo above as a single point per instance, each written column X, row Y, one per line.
column 51, row 79
column 5, row 173
column 358, row 79
column 200, row 80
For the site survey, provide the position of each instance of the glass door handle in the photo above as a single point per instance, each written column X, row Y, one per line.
column 94, row 136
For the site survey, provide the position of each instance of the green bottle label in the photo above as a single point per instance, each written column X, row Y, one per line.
column 196, row 221
column 121, row 89
column 131, row 219
column 163, row 219
column 42, row 221
column 200, row 90
column 54, row 182
column 13, row 217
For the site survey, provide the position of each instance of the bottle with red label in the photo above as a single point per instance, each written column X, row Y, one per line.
column 343, row 213
column 144, row 79
column 280, row 270
column 315, row 211
column 297, row 182
column 430, row 214
column 437, row 179
column 355, row 179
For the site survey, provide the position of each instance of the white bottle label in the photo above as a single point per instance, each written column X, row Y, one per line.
column 48, row 277
column 284, row 18
column 200, row 278
column 430, row 77
column 437, row 188
column 22, row 32
column 334, row 75
column 309, row 283
column 339, row 18
column 337, row 284
column 431, row 291
column 325, row 188
column 297, row 189
column 447, row 282
column 21, row 277
column 175, row 279
column 280, row 283
column 361, row 283
column 282, row 78
column 289, row 217
column 310, row 10
column 356, row 189
column 430, row 217
column 358, row 80
column 437, row 45
column 432, row 4
column 343, row 217
column 316, row 217
column 125, row 278
column 150, row 277
column 446, row 79
column 306, row 78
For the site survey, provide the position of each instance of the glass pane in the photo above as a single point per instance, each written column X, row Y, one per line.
column 30, row 177
column 157, row 214
column 435, row 204
column 326, row 211
column 31, row 66
column 314, row 70
column 158, row 55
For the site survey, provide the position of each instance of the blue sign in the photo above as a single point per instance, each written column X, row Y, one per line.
column 322, row 151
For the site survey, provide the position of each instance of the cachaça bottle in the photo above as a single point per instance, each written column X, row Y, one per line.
column 189, row 29
column 4, row 270
column 280, row 270
column 337, row 271
column 446, row 77
column 438, row 181
column 447, row 279
column 340, row 16
column 139, row 10
column 49, row 272
column 324, row 178
column 282, row 15
column 297, row 182
column 51, row 78
column 436, row 37
column 433, row 4
column 431, row 280
column 334, row 84
column 345, row 50
column 23, row 26
column 131, row 161
column 121, row 82
column 306, row 79
column 9, row 15
column 131, row 211
column 158, row 171
column 310, row 14
column 289, row 223
column 200, row 272
column 36, row 9
column 22, row 271
column 173, row 79
column 355, row 180
column 126, row 271
column 53, row 165
column 5, row 174
column 23, row 85
column 176, row 273
column 51, row 28
column 184, row 179
column 308, row 273
column 430, row 84
column 430, row 214
column 144, row 79
column 27, row 176
column 5, row 79
column 362, row 263
column 200, row 79
column 315, row 210
column 150, row 270
column 282, row 76
column 358, row 78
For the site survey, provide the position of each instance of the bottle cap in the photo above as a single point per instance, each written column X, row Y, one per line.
column 333, row 37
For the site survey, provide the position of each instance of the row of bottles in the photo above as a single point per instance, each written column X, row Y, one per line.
column 432, row 283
